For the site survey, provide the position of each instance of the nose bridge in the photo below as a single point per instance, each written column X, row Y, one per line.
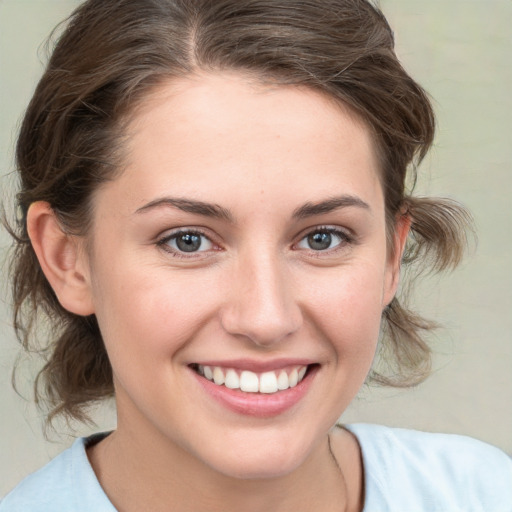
column 262, row 303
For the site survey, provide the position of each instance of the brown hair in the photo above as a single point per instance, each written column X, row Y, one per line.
column 113, row 53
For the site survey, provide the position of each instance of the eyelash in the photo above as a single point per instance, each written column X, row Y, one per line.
column 163, row 243
column 345, row 239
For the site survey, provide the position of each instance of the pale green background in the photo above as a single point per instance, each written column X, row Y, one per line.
column 460, row 50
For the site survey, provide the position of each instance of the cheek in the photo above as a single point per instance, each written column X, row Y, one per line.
column 345, row 313
column 348, row 308
column 146, row 317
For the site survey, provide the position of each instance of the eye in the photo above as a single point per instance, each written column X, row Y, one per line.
column 323, row 239
column 186, row 242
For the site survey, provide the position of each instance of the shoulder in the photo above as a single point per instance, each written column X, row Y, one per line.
column 37, row 492
column 432, row 472
column 66, row 483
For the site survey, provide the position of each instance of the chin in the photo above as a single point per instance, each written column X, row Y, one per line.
column 256, row 470
column 259, row 460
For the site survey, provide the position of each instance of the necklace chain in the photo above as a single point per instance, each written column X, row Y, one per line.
column 338, row 467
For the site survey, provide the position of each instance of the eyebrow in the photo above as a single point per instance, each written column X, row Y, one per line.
column 329, row 205
column 189, row 206
column 218, row 212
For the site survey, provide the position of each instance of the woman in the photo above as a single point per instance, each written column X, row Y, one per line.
column 214, row 220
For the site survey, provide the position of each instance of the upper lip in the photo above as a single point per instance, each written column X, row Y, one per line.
column 256, row 366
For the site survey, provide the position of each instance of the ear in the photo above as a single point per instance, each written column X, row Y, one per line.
column 61, row 258
column 401, row 231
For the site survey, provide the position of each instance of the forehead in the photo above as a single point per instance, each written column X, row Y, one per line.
column 221, row 101
column 199, row 134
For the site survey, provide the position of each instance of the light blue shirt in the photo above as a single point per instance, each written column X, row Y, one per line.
column 405, row 471
column 410, row 471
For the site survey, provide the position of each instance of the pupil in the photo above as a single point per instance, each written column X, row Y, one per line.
column 320, row 241
column 188, row 242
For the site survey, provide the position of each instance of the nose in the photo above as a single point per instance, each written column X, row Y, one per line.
column 262, row 304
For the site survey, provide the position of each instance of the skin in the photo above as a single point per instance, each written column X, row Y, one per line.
column 257, row 291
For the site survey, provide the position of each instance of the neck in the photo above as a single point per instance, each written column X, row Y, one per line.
column 167, row 474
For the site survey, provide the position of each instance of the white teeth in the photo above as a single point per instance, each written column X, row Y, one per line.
column 218, row 376
column 282, row 381
column 232, row 380
column 293, row 379
column 250, row 382
column 207, row 372
column 268, row 382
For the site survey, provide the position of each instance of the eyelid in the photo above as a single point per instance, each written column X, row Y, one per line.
column 346, row 236
column 163, row 240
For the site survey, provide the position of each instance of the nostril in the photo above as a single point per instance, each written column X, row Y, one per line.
column 262, row 329
column 264, row 309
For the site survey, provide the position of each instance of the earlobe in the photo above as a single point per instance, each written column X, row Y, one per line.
column 61, row 259
column 401, row 232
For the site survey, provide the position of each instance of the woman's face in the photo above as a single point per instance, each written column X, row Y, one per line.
column 245, row 241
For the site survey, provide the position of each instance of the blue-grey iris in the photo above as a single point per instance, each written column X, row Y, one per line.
column 320, row 241
column 188, row 242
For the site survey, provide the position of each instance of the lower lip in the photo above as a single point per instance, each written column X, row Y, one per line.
column 259, row 405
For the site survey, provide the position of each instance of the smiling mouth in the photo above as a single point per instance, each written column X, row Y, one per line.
column 269, row 382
